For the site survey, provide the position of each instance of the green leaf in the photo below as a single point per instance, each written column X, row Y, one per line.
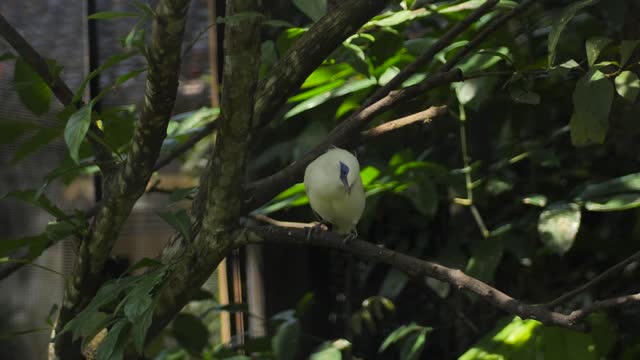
column 112, row 15
column 524, row 96
column 509, row 340
column 622, row 184
column 412, row 347
column 58, row 230
column 594, row 47
column 317, row 100
column 626, row 50
column 76, row 130
column 614, row 203
column 43, row 202
column 112, row 347
column 140, row 327
column 179, row 221
column 278, row 23
column 558, row 225
column 398, row 334
column 35, row 244
column 329, row 353
column 180, row 194
column 535, row 200
column 558, row 26
column 128, row 76
column 32, row 90
column 111, row 61
column 314, row 9
column 485, row 258
column 41, row 138
column 190, row 332
column 11, row 130
column 286, row 340
column 628, row 85
column 592, row 100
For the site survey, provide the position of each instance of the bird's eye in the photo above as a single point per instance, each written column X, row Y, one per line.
column 344, row 169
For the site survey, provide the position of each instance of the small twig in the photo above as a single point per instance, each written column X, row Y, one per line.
column 591, row 283
column 424, row 117
column 182, row 148
column 289, row 224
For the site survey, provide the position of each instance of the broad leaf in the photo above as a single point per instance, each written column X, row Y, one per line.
column 614, row 203
column 11, row 130
column 558, row 26
column 286, row 340
column 112, row 347
column 329, row 353
column 594, row 47
column 33, row 91
column 592, row 100
column 179, row 221
column 622, row 184
column 558, row 225
column 626, row 50
column 628, row 85
column 37, row 141
column 314, row 9
column 76, row 130
column 190, row 332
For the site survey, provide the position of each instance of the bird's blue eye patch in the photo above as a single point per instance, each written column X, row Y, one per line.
column 344, row 170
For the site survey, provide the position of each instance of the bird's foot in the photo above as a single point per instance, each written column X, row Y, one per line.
column 319, row 226
column 352, row 235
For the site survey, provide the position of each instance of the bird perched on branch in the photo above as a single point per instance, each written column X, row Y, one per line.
column 335, row 191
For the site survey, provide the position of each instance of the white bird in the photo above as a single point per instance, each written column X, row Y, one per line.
column 335, row 191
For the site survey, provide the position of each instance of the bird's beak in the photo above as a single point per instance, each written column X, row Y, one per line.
column 347, row 188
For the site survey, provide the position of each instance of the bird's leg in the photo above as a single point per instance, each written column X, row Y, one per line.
column 352, row 235
column 321, row 225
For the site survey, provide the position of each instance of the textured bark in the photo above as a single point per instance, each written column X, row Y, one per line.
column 127, row 184
column 217, row 207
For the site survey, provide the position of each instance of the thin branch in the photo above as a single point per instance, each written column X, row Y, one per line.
column 257, row 234
column 610, row 271
column 423, row 117
column 184, row 147
column 37, row 62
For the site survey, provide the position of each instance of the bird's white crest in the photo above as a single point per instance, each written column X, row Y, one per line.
column 334, row 187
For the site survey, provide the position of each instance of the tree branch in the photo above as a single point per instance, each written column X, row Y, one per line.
column 259, row 234
column 128, row 182
column 218, row 203
column 424, row 117
column 37, row 62
column 610, row 271
column 308, row 52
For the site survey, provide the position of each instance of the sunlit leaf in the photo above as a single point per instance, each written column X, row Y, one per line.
column 535, row 199
column 622, row 184
column 398, row 334
column 628, row 85
column 329, row 353
column 614, row 202
column 558, row 225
